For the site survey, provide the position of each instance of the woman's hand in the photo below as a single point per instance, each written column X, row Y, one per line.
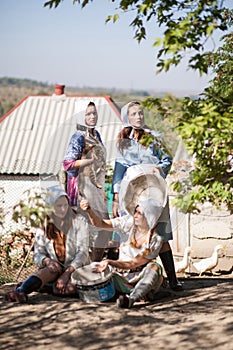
column 84, row 204
column 100, row 266
column 87, row 160
column 115, row 209
column 62, row 282
column 94, row 218
column 82, row 162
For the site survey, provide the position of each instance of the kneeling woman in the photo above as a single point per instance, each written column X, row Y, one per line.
column 61, row 246
column 137, row 275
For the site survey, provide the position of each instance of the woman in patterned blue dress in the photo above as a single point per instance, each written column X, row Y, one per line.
column 85, row 164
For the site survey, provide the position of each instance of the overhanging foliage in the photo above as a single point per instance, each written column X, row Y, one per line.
column 187, row 25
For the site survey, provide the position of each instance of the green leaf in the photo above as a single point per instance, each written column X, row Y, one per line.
column 115, row 17
column 158, row 42
column 210, row 29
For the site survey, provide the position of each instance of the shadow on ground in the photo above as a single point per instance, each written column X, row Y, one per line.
column 200, row 317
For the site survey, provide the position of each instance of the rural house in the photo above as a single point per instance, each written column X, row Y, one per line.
column 34, row 136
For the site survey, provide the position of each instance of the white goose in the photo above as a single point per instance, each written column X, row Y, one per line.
column 210, row 263
column 181, row 266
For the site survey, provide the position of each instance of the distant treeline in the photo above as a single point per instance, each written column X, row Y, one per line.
column 28, row 83
column 12, row 90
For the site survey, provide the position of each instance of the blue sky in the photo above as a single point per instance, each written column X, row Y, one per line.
column 75, row 47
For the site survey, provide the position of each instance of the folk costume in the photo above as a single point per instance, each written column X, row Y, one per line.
column 143, row 147
column 62, row 242
column 88, row 181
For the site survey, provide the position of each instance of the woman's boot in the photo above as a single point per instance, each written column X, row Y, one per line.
column 151, row 280
column 31, row 284
column 168, row 264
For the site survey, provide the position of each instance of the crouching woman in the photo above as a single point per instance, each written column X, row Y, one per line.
column 61, row 246
column 136, row 275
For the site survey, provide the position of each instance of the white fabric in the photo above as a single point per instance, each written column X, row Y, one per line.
column 152, row 210
column 53, row 193
column 80, row 110
column 125, row 118
column 140, row 183
column 99, row 205
column 77, row 245
column 85, row 276
column 124, row 225
column 124, row 115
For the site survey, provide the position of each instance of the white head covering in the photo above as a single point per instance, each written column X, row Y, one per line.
column 141, row 183
column 53, row 193
column 152, row 210
column 124, row 114
column 81, row 107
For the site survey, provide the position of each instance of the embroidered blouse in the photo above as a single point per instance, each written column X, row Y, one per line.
column 124, row 225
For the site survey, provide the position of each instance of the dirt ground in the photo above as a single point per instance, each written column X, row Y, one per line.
column 200, row 317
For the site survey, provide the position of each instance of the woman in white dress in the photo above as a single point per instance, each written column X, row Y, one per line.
column 137, row 274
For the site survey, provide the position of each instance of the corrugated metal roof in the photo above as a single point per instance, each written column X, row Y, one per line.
column 35, row 134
